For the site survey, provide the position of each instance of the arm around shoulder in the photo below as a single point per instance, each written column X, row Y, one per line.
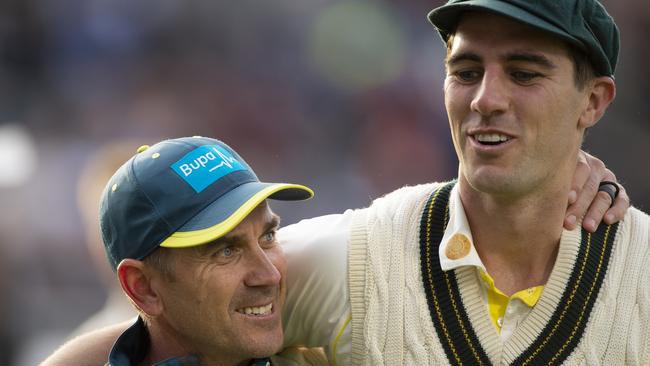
column 317, row 299
column 90, row 349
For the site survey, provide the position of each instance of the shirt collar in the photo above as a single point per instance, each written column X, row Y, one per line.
column 131, row 348
column 457, row 245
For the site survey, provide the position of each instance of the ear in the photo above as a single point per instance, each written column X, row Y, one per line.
column 136, row 282
column 602, row 92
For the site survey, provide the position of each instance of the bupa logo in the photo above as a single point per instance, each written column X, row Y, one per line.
column 203, row 160
column 205, row 165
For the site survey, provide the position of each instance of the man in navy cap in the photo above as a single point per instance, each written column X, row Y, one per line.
column 186, row 226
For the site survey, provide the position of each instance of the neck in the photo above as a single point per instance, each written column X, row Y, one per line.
column 166, row 344
column 516, row 238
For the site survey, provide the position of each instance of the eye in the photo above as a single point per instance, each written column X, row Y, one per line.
column 524, row 76
column 467, row 76
column 269, row 237
column 225, row 252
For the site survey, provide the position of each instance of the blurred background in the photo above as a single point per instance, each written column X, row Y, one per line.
column 344, row 96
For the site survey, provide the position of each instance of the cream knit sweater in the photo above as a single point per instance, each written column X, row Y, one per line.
column 392, row 323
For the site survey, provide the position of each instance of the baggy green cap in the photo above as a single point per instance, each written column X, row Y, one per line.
column 583, row 23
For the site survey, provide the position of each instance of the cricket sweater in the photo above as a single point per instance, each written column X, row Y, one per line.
column 595, row 308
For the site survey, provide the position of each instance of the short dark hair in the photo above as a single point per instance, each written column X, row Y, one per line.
column 161, row 260
column 583, row 69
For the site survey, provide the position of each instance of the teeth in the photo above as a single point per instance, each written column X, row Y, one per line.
column 255, row 310
column 492, row 137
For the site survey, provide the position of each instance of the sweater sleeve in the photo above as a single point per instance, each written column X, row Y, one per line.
column 317, row 303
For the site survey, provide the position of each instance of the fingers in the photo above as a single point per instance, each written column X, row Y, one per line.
column 601, row 209
column 579, row 177
column 590, row 171
column 596, row 211
column 601, row 202
column 585, row 201
column 618, row 210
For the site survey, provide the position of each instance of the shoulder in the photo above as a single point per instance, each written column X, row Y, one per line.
column 406, row 195
column 417, row 192
column 403, row 202
column 639, row 227
column 635, row 229
column 636, row 237
column 636, row 214
column 631, row 256
column 632, row 241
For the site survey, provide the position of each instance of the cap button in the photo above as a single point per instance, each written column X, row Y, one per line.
column 458, row 247
column 142, row 148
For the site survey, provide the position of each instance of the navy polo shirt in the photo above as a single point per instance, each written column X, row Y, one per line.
column 132, row 346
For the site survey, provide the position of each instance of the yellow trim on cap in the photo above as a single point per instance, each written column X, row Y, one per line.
column 185, row 239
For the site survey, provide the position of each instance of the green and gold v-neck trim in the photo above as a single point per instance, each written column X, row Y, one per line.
column 553, row 328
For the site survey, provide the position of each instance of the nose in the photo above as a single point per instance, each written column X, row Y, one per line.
column 491, row 96
column 261, row 269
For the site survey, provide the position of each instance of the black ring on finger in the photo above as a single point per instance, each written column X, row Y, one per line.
column 611, row 188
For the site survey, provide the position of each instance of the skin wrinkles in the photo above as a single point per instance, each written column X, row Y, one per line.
column 245, row 268
column 211, row 253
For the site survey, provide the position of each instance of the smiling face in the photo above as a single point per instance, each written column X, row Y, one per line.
column 225, row 299
column 515, row 113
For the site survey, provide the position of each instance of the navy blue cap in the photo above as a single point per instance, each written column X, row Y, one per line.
column 181, row 193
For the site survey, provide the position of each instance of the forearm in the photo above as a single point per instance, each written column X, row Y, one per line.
column 90, row 349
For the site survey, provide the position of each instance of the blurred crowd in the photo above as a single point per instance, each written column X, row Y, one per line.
column 344, row 96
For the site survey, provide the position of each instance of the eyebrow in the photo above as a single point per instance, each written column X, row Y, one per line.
column 530, row 57
column 463, row 56
column 273, row 222
column 524, row 56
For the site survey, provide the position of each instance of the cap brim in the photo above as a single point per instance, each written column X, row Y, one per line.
column 446, row 17
column 224, row 214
